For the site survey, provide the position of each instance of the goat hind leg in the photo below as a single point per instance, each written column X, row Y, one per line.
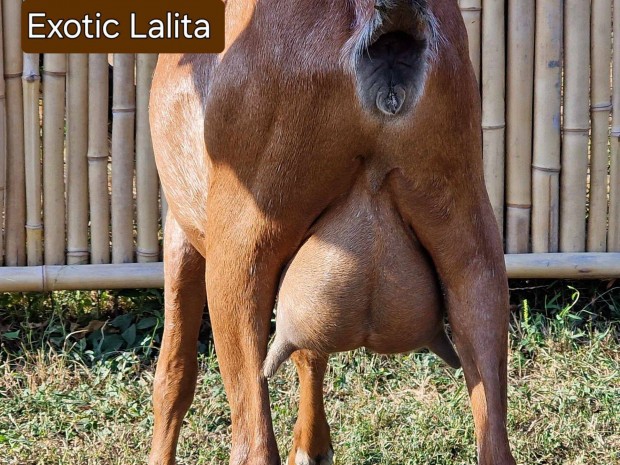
column 175, row 377
column 479, row 328
column 242, row 278
column 464, row 243
column 311, row 441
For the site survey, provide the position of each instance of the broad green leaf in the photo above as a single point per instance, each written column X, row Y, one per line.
column 122, row 322
column 146, row 323
column 12, row 336
column 111, row 343
column 130, row 335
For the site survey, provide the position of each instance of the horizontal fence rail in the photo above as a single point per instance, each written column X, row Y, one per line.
column 82, row 206
column 151, row 275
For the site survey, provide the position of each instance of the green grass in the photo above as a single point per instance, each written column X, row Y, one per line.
column 68, row 398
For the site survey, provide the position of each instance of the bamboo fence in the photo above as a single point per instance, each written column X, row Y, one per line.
column 123, row 146
column 147, row 207
column 77, row 159
column 576, row 126
column 600, row 112
column 3, row 137
column 54, row 100
column 32, row 152
column 613, row 236
column 14, row 179
column 547, row 126
column 82, row 206
column 98, row 152
column 519, row 112
column 493, row 102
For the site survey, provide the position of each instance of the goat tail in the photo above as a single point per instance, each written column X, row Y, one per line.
column 443, row 347
column 279, row 352
column 372, row 18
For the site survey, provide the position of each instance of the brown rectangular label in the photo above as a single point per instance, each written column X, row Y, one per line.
column 123, row 26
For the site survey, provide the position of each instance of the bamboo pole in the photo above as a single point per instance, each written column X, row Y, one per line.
column 81, row 277
column 520, row 89
column 471, row 11
column 32, row 147
column 98, row 151
column 600, row 110
column 123, row 123
column 576, row 127
column 493, row 104
column 3, row 139
column 546, row 155
column 54, row 98
column 613, row 237
column 147, row 185
column 15, row 198
column 151, row 275
column 563, row 265
column 77, row 161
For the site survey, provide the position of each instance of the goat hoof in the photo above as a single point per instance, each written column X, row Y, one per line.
column 303, row 458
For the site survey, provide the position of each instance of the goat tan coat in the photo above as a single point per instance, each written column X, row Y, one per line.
column 339, row 141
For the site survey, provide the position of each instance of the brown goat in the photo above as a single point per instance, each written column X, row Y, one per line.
column 330, row 157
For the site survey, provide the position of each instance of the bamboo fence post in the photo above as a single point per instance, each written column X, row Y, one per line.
column 600, row 109
column 147, row 185
column 54, row 99
column 520, row 89
column 123, row 123
column 576, row 127
column 547, row 100
column 15, row 197
column 98, row 152
column 613, row 237
column 3, row 137
column 471, row 11
column 493, row 104
column 77, row 161
column 32, row 149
